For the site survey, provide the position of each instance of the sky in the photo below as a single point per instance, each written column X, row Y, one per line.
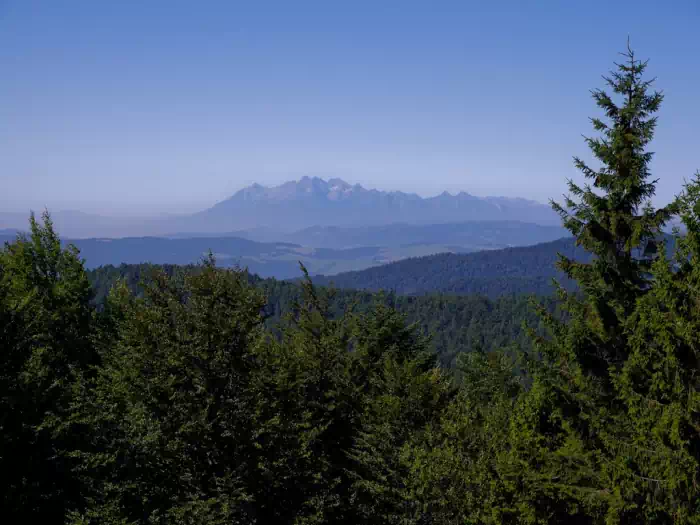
column 164, row 106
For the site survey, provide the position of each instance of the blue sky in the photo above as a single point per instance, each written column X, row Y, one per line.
column 136, row 107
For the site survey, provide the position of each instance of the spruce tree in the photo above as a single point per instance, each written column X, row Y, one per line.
column 173, row 409
column 568, row 458
column 401, row 392
column 306, row 415
column 611, row 216
column 659, row 385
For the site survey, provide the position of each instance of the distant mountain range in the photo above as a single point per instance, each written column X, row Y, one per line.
column 317, row 202
column 305, row 203
column 329, row 225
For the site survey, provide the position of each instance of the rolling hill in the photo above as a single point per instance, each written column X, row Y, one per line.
column 492, row 273
column 323, row 250
column 279, row 260
column 269, row 259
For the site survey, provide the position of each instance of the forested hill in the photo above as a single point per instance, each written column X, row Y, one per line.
column 493, row 273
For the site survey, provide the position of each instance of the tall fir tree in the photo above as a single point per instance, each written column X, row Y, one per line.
column 611, row 216
column 659, row 385
column 569, row 457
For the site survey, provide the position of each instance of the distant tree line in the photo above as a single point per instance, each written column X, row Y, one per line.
column 453, row 323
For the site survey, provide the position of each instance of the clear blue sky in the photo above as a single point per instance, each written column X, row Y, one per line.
column 149, row 105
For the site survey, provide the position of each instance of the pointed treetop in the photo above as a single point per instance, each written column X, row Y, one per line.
column 611, row 215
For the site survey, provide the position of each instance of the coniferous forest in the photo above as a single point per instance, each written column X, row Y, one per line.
column 198, row 395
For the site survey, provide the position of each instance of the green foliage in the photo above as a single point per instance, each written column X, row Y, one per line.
column 46, row 327
column 171, row 406
column 585, row 436
column 353, row 388
column 455, row 324
column 612, row 224
column 201, row 416
column 658, row 383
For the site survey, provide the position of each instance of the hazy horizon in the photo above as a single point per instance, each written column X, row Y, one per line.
column 206, row 205
column 143, row 109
